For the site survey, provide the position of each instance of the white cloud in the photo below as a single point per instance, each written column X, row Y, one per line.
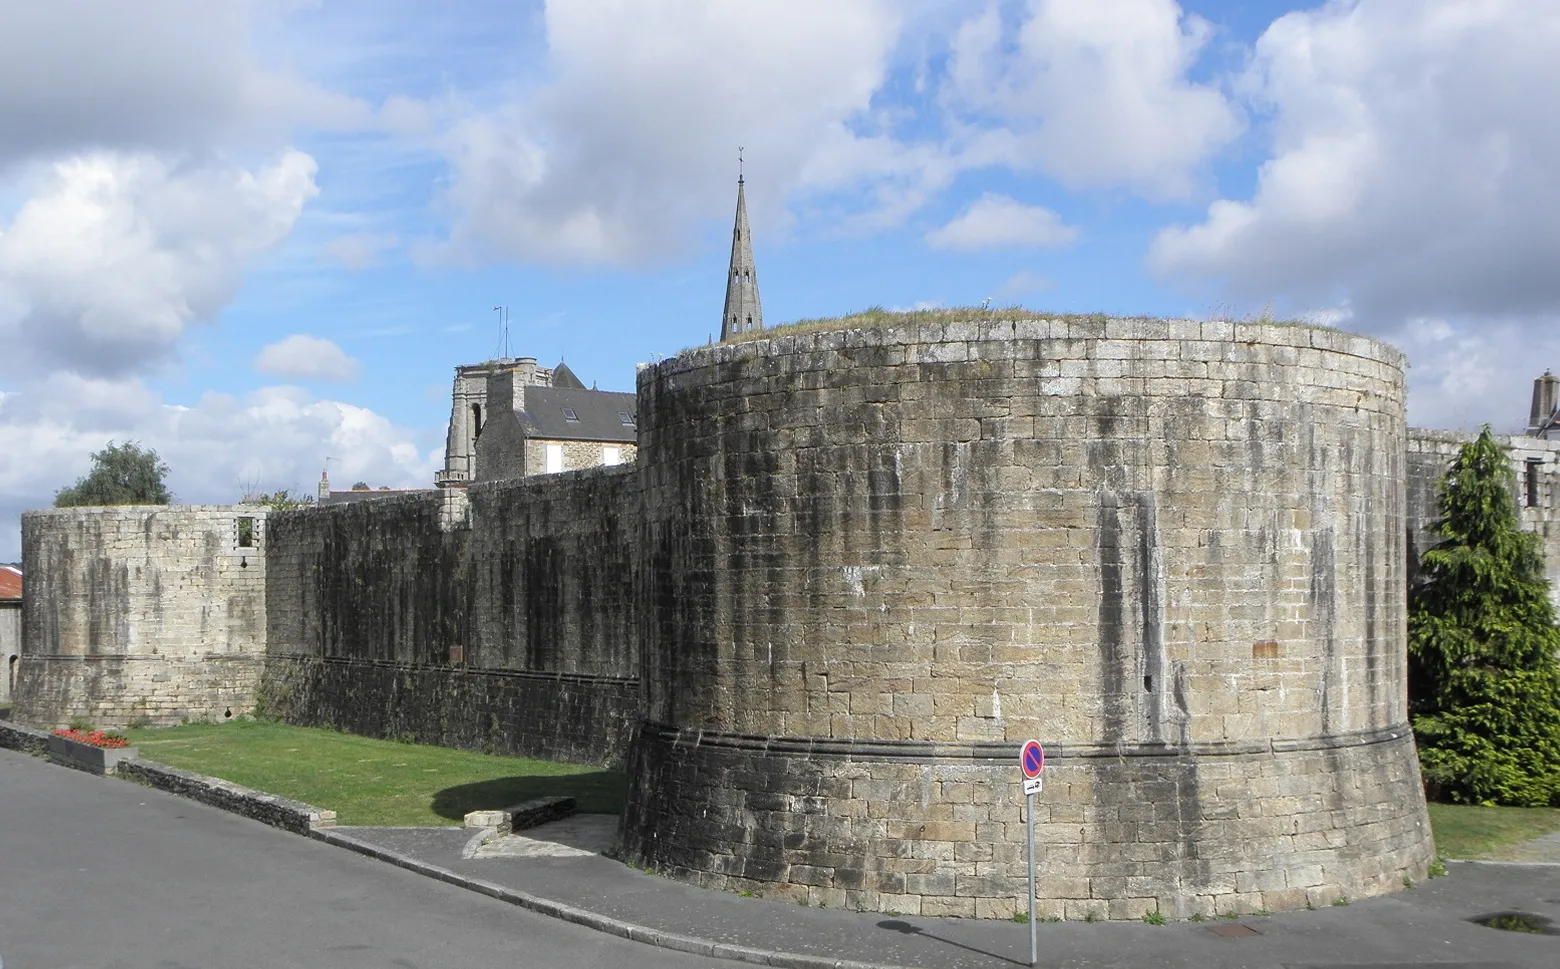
column 634, row 135
column 623, row 141
column 999, row 222
column 1413, row 168
column 1094, row 94
column 153, row 75
column 115, row 255
column 1465, row 374
column 302, row 357
column 1411, row 178
column 277, row 437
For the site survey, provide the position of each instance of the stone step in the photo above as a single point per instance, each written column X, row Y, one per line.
column 527, row 814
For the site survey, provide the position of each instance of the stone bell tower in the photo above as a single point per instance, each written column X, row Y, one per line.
column 743, row 313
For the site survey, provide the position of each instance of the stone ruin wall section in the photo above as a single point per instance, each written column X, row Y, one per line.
column 1430, row 455
column 877, row 560
column 140, row 615
column 496, row 618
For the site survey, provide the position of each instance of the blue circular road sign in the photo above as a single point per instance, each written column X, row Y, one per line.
column 1032, row 758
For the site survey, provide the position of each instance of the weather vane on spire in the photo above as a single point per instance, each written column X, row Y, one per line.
column 739, row 164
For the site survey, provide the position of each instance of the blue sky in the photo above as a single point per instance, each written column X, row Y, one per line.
column 260, row 236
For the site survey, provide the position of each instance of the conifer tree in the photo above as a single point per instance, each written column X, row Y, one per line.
column 1484, row 680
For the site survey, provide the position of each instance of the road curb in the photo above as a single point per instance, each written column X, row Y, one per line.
column 592, row 920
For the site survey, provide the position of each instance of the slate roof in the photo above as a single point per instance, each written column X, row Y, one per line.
column 10, row 582
column 564, row 377
column 597, row 413
column 350, row 497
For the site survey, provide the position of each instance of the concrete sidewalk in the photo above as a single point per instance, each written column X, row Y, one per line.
column 1427, row 925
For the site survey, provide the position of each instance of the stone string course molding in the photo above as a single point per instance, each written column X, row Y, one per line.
column 999, row 753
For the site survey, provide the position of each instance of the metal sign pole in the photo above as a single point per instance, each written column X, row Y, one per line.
column 1029, row 824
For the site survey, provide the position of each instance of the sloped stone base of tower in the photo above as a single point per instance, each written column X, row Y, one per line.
column 113, row 692
column 938, row 830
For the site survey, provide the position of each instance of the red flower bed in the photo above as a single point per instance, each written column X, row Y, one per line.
column 94, row 738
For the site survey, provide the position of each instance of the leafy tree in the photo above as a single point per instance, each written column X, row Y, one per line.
column 1484, row 681
column 122, row 474
column 283, row 500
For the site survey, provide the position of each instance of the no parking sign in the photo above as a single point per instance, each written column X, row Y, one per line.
column 1031, row 760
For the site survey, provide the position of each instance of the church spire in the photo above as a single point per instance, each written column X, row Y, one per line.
column 743, row 311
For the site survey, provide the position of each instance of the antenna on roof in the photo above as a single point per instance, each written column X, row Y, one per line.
column 503, row 330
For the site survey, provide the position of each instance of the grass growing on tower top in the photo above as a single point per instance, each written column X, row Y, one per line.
column 875, row 316
column 373, row 782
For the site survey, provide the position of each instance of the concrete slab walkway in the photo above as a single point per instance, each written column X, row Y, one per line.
column 1427, row 925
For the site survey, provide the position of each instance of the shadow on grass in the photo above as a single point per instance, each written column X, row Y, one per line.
column 596, row 792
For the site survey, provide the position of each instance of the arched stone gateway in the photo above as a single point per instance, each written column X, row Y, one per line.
column 875, row 561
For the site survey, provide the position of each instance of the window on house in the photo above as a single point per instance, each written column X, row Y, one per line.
column 570, row 416
column 750, row 322
column 554, row 454
column 246, row 533
column 611, row 455
column 1533, row 464
column 625, row 418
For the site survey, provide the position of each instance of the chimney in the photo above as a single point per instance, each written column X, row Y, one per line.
column 1546, row 395
column 324, row 486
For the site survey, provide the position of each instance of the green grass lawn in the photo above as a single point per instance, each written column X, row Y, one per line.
column 1490, row 833
column 368, row 781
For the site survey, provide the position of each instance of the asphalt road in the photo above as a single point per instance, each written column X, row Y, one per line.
column 98, row 872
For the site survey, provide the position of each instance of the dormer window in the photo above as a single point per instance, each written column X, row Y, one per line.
column 570, row 416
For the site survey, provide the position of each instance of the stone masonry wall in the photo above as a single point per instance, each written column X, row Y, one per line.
column 576, row 454
column 150, row 614
column 498, row 618
column 10, row 646
column 1430, row 454
column 878, row 560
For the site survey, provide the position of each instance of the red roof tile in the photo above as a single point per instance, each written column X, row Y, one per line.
column 10, row 582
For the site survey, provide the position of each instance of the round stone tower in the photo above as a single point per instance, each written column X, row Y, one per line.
column 877, row 560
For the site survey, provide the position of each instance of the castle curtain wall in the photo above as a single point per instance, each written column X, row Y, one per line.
column 500, row 618
column 1430, row 454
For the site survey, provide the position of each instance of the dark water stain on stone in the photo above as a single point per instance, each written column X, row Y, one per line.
column 1373, row 647
column 1324, row 610
column 1179, row 690
column 1150, row 581
column 1112, row 610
